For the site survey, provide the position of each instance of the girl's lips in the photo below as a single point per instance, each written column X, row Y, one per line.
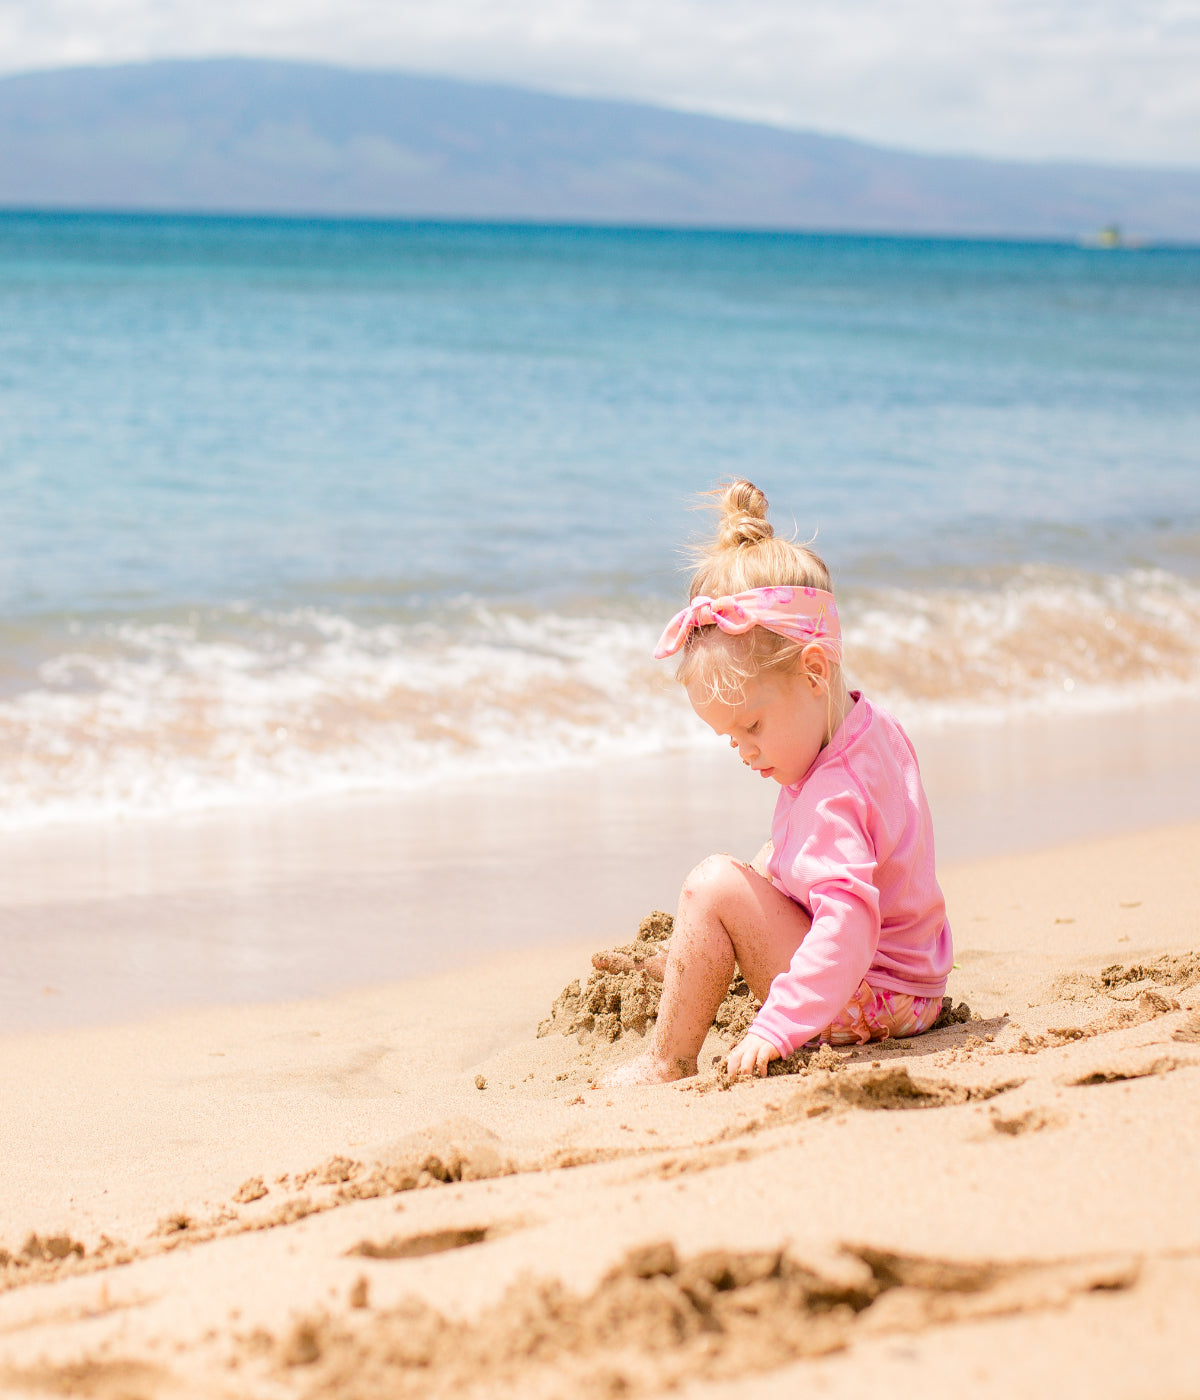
column 764, row 772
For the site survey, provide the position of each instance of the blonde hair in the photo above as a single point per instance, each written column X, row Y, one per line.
column 745, row 553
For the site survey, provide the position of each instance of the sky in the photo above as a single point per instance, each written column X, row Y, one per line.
column 1103, row 80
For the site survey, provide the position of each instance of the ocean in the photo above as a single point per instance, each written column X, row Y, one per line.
column 299, row 508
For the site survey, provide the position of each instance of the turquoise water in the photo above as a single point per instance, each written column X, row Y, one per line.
column 304, row 506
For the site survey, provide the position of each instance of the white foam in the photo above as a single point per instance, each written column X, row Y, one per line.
column 156, row 718
column 1046, row 639
column 144, row 717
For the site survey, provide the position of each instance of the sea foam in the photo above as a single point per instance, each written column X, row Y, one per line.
column 153, row 715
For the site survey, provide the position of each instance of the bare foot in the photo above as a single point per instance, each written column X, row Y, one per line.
column 649, row 1069
column 653, row 966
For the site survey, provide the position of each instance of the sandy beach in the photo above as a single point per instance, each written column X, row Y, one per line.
column 396, row 1186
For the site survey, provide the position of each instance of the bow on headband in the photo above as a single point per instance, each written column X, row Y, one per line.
column 802, row 614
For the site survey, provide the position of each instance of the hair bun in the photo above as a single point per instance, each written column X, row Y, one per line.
column 745, row 552
column 743, row 510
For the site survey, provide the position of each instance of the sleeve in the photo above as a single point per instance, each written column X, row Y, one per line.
column 835, row 863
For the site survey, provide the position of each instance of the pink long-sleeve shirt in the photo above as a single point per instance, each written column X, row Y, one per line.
column 854, row 847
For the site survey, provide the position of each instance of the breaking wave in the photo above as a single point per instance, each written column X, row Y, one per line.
column 158, row 714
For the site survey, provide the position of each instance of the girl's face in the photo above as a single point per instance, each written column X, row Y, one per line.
column 778, row 727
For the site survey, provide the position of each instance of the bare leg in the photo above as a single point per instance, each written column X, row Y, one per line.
column 655, row 965
column 727, row 913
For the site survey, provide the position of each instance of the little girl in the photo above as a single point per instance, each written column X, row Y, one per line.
column 838, row 926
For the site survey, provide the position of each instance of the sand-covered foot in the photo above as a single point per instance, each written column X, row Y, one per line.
column 654, row 966
column 648, row 1069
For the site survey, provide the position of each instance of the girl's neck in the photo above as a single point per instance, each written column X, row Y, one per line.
column 840, row 705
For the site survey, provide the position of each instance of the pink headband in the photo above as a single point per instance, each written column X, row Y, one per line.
column 803, row 614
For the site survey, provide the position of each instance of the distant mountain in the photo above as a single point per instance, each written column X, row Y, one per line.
column 244, row 135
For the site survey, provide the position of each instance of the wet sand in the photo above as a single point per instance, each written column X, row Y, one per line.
column 115, row 923
column 402, row 1189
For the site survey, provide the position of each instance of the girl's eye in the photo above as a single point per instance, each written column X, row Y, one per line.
column 752, row 728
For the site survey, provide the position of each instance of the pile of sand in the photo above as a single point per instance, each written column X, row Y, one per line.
column 615, row 1004
column 656, row 1320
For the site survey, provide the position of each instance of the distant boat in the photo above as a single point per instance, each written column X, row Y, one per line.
column 1112, row 236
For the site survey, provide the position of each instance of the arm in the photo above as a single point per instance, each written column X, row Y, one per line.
column 832, row 869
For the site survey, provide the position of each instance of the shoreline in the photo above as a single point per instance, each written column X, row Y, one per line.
column 112, row 924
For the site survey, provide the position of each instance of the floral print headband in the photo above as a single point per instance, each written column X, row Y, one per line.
column 801, row 614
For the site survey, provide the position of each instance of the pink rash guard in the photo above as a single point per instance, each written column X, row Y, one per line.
column 854, row 847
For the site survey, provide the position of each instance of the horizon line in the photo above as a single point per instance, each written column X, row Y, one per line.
column 1085, row 242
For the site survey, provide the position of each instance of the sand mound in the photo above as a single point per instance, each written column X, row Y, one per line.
column 1179, row 970
column 953, row 1015
column 615, row 1004
column 803, row 1060
column 888, row 1089
column 656, row 1320
column 611, row 1005
column 736, row 1012
column 1136, row 1010
column 1118, row 980
column 458, row 1149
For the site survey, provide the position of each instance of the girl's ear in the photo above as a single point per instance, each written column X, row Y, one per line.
column 817, row 669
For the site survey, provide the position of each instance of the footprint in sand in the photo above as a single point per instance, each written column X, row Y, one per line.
column 1033, row 1120
column 656, row 1320
column 1145, row 1069
column 418, row 1246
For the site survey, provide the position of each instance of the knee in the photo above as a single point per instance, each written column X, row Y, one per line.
column 715, row 877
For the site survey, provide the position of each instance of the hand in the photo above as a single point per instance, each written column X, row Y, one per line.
column 750, row 1057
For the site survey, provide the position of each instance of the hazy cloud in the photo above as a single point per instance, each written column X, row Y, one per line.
column 1099, row 79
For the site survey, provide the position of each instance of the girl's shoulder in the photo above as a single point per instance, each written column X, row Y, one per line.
column 867, row 759
column 869, row 726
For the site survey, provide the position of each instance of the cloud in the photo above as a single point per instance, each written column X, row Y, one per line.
column 1107, row 80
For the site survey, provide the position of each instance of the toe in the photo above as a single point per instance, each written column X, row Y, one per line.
column 613, row 962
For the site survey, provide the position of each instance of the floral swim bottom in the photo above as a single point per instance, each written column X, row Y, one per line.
column 873, row 1015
